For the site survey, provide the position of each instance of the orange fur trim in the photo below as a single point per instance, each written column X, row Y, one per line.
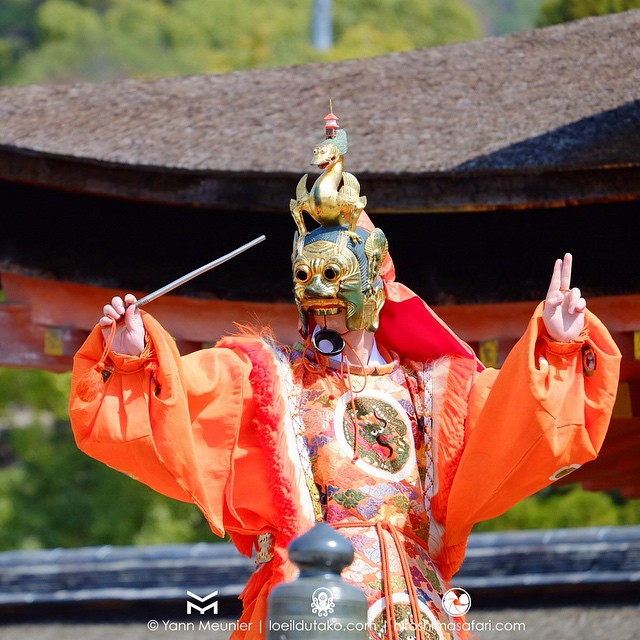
column 268, row 423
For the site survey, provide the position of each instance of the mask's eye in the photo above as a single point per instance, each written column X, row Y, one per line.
column 331, row 272
column 302, row 274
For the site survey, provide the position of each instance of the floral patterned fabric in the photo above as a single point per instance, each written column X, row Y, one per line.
column 369, row 453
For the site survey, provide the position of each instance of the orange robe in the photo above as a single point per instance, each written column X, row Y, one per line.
column 215, row 428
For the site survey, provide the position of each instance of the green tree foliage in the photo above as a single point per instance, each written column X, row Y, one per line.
column 500, row 17
column 557, row 11
column 52, row 495
column 43, row 41
column 18, row 31
column 568, row 506
column 39, row 391
column 55, row 496
column 69, row 40
column 365, row 27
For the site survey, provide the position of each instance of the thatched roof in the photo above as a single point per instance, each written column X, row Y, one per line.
column 554, row 99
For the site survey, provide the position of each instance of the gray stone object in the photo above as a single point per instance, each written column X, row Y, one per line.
column 319, row 603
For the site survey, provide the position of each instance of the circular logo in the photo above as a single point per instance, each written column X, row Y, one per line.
column 456, row 602
column 322, row 602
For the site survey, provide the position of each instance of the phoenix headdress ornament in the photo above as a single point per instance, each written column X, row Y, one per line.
column 335, row 197
column 336, row 266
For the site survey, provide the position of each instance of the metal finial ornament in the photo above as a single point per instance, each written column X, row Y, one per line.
column 331, row 125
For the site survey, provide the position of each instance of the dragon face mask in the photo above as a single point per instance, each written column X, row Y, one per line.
column 334, row 271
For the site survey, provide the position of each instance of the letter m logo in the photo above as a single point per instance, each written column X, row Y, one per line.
column 202, row 607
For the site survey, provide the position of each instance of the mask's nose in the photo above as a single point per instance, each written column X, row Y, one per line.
column 317, row 288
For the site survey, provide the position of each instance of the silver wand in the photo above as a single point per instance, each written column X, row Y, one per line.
column 197, row 272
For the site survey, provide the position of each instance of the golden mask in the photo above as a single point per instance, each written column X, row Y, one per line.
column 332, row 272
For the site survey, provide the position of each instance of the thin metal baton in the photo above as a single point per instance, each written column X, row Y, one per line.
column 197, row 272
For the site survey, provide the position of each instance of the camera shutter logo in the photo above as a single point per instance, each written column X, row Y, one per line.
column 456, row 602
column 202, row 607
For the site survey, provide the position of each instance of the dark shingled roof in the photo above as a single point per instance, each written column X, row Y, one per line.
column 563, row 97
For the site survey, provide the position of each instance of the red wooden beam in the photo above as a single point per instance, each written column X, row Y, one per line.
column 55, row 303
column 66, row 304
column 32, row 346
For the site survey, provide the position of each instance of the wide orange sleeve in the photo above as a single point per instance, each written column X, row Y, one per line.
column 181, row 425
column 530, row 422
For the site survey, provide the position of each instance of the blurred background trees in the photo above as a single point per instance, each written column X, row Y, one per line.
column 46, row 41
column 557, row 11
column 68, row 40
column 53, row 495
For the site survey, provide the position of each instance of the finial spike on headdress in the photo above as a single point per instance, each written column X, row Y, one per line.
column 331, row 122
